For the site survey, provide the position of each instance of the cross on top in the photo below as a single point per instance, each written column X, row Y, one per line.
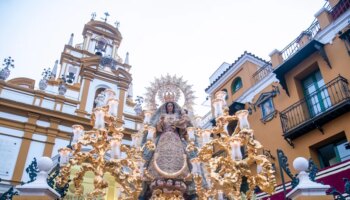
column 107, row 15
column 93, row 15
column 117, row 24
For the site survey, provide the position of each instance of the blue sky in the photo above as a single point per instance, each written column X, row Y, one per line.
column 190, row 38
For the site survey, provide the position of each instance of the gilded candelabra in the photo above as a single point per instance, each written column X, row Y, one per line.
column 224, row 160
column 106, row 153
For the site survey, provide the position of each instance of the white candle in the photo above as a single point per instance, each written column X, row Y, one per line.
column 191, row 131
column 147, row 118
column 64, row 155
column 151, row 131
column 115, row 148
column 198, row 121
column 113, row 107
column 238, row 150
column 195, row 167
column 217, row 104
column 221, row 95
column 242, row 116
column 220, row 195
column 233, row 151
column 77, row 132
column 258, row 168
column 99, row 118
column 206, row 136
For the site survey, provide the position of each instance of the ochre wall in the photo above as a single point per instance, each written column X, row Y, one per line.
column 270, row 134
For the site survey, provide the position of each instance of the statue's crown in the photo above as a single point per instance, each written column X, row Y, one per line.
column 169, row 97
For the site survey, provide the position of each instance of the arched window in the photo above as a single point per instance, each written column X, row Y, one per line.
column 97, row 93
column 236, row 85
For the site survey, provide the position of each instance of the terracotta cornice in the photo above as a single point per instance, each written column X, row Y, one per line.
column 137, row 118
column 87, row 73
column 23, row 81
column 69, row 57
column 82, row 51
column 29, row 128
column 33, row 115
column 123, row 86
column 60, row 98
column 55, row 120
column 114, row 35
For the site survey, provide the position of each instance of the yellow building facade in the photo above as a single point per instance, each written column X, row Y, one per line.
column 299, row 101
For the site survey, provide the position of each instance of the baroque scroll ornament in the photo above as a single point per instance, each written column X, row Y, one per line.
column 169, row 88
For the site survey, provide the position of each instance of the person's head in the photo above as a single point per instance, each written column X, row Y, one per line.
column 170, row 108
column 184, row 112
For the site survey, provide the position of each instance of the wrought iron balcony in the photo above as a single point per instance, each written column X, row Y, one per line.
column 294, row 46
column 316, row 109
column 340, row 8
column 262, row 72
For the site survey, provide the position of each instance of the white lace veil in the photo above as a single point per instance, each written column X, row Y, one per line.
column 162, row 110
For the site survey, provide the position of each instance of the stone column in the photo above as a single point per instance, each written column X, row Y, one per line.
column 52, row 132
column 29, row 129
column 122, row 92
column 87, row 78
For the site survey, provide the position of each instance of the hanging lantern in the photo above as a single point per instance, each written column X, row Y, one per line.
column 113, row 107
column 242, row 116
column 99, row 118
column 77, row 132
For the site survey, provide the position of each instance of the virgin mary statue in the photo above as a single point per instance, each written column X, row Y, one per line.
column 168, row 164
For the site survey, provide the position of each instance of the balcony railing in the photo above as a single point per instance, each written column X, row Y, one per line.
column 316, row 108
column 340, row 8
column 294, row 46
column 262, row 72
